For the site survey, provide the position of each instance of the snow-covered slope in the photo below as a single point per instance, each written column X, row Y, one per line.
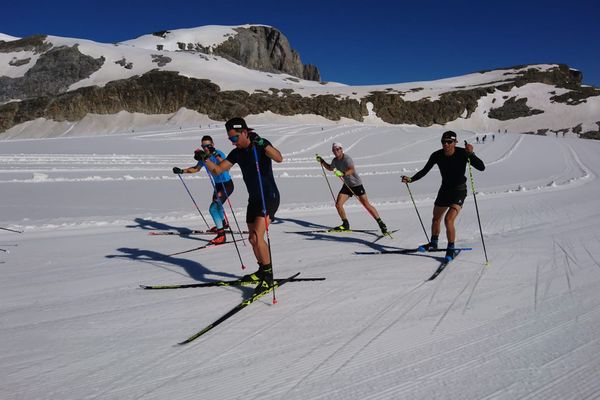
column 206, row 36
column 7, row 38
column 75, row 324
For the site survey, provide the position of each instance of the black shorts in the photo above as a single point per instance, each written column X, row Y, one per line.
column 255, row 208
column 448, row 197
column 356, row 190
column 223, row 193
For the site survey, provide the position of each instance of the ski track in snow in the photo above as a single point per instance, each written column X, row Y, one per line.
column 75, row 323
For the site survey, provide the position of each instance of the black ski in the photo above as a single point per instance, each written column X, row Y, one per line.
column 237, row 309
column 443, row 265
column 406, row 251
column 237, row 282
column 10, row 230
column 388, row 234
column 333, row 230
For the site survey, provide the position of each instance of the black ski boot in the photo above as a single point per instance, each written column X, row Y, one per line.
column 450, row 252
column 345, row 226
column 431, row 246
column 382, row 226
column 266, row 281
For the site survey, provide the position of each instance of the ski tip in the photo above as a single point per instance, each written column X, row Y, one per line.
column 421, row 249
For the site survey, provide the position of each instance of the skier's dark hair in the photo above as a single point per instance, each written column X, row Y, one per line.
column 206, row 137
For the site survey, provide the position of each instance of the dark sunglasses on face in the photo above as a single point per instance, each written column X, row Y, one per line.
column 205, row 146
column 447, row 141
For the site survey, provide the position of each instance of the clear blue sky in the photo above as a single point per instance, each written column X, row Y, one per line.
column 354, row 42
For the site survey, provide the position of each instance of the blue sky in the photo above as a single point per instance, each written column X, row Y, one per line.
column 354, row 42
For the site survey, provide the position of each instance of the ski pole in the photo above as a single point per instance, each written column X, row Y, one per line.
column 264, row 210
column 327, row 180
column 418, row 215
column 10, row 230
column 233, row 213
column 477, row 208
column 192, row 197
column 225, row 215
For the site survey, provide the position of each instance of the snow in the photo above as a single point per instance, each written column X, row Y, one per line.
column 7, row 38
column 209, row 36
column 75, row 325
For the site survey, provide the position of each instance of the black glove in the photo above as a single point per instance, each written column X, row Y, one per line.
column 200, row 155
column 257, row 140
column 177, row 170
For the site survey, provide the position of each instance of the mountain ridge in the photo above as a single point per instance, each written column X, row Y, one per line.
column 214, row 74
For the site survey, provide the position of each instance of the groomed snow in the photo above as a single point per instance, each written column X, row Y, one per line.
column 75, row 325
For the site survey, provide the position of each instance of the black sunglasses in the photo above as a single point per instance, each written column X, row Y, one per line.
column 447, row 141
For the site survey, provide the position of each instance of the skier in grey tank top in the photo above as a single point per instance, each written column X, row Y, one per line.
column 343, row 167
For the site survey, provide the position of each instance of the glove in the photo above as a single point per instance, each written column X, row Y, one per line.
column 406, row 179
column 177, row 170
column 319, row 158
column 200, row 155
column 257, row 140
column 338, row 173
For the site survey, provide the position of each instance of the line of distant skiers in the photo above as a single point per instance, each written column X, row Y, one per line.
column 254, row 155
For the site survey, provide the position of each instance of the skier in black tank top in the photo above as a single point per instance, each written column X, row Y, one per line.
column 452, row 162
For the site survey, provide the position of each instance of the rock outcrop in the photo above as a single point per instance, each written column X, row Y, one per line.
column 258, row 47
column 55, row 70
column 164, row 92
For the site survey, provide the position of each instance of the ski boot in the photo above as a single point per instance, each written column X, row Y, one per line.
column 382, row 226
column 344, row 227
column 263, row 272
column 431, row 246
column 220, row 238
column 266, row 279
column 450, row 252
column 214, row 229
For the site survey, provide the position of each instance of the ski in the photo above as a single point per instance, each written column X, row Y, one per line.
column 237, row 282
column 406, row 251
column 236, row 309
column 443, row 265
column 333, row 230
column 10, row 230
column 388, row 234
column 190, row 233
column 207, row 245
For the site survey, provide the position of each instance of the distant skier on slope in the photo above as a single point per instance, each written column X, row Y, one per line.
column 343, row 167
column 452, row 162
column 223, row 186
column 260, row 187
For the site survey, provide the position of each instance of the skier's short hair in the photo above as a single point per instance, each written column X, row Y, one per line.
column 206, row 137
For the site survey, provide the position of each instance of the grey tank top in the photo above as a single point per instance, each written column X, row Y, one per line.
column 343, row 165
